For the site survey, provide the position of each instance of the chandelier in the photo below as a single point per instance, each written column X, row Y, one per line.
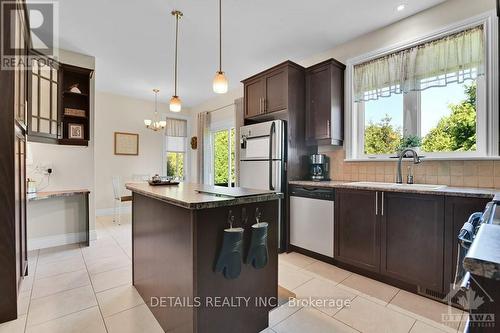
column 156, row 124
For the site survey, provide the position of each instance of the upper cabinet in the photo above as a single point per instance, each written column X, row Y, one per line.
column 75, row 105
column 43, row 107
column 273, row 90
column 59, row 104
column 325, row 103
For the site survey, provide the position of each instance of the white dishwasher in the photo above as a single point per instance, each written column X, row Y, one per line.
column 311, row 218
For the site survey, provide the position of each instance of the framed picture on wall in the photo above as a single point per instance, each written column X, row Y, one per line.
column 126, row 143
column 75, row 131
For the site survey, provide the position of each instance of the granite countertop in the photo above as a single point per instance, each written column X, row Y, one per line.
column 488, row 193
column 54, row 194
column 198, row 196
column 483, row 257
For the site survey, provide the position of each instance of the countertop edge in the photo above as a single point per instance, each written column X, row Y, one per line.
column 223, row 202
column 55, row 194
column 487, row 193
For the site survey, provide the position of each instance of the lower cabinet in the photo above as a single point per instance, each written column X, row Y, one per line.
column 412, row 238
column 357, row 229
column 398, row 235
column 402, row 236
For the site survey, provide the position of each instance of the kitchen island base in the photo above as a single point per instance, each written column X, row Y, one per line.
column 174, row 254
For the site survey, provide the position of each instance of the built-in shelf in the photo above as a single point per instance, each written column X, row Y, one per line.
column 70, row 93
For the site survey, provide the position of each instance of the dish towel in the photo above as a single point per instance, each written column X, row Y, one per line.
column 230, row 256
column 257, row 254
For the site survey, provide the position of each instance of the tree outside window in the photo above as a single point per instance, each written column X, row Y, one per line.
column 448, row 120
column 175, row 165
column 224, row 157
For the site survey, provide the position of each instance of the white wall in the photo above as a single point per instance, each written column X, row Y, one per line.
column 225, row 114
column 116, row 113
column 420, row 24
column 73, row 167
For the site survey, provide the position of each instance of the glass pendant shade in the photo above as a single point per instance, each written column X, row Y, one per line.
column 147, row 122
column 220, row 83
column 163, row 123
column 175, row 104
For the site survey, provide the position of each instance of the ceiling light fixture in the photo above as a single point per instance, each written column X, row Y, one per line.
column 220, row 84
column 156, row 124
column 175, row 101
column 401, row 7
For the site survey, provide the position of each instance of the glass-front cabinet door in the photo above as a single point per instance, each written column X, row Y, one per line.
column 44, row 114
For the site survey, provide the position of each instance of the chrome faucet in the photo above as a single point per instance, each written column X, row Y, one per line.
column 416, row 160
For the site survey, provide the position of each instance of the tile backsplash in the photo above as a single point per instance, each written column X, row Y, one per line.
column 452, row 173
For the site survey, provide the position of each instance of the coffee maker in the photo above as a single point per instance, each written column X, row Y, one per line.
column 318, row 167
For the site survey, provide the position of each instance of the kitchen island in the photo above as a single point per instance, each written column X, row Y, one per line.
column 177, row 240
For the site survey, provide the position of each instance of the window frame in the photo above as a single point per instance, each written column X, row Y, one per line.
column 212, row 155
column 487, row 96
column 177, row 166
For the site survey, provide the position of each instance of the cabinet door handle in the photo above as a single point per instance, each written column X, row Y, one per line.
column 382, row 204
column 265, row 104
column 376, row 203
column 328, row 127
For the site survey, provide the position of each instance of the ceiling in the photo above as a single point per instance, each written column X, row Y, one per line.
column 133, row 40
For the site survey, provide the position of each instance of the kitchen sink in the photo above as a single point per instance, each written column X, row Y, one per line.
column 394, row 185
column 419, row 186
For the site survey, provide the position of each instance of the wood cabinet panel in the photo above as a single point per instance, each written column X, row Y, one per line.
column 412, row 238
column 276, row 97
column 274, row 90
column 325, row 103
column 254, row 96
column 43, row 109
column 13, row 164
column 357, row 232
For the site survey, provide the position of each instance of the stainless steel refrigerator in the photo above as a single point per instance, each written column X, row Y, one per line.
column 263, row 153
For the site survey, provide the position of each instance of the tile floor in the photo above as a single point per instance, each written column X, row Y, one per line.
column 88, row 289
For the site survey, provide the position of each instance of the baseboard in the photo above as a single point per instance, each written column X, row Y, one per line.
column 110, row 211
column 58, row 240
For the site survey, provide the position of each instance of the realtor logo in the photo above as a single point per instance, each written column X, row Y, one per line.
column 471, row 301
column 43, row 34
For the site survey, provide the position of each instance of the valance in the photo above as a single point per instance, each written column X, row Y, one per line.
column 176, row 127
column 454, row 58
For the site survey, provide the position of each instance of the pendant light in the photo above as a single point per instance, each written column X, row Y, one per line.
column 156, row 124
column 175, row 101
column 220, row 80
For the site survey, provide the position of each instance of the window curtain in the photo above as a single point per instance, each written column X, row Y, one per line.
column 176, row 127
column 454, row 58
column 203, row 133
column 239, row 119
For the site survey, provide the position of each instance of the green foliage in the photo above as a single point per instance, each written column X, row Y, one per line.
column 456, row 132
column 409, row 141
column 221, row 157
column 382, row 137
column 175, row 164
column 221, row 141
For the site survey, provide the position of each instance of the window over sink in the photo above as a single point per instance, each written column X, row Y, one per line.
column 435, row 93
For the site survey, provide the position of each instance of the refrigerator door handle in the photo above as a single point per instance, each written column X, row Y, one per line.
column 271, row 133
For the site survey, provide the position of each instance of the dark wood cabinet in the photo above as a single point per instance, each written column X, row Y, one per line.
column 13, row 251
column 279, row 88
column 404, row 237
column 356, row 229
column 54, row 107
column 325, row 103
column 43, row 111
column 412, row 238
column 276, row 98
column 254, row 90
